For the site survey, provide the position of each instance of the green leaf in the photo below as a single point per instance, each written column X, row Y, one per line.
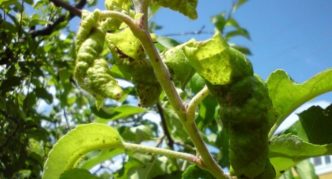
column 115, row 113
column 167, row 42
column 77, row 173
column 286, row 95
column 286, row 150
column 126, row 42
column 146, row 166
column 44, row 94
column 186, row 7
column 178, row 65
column 238, row 4
column 136, row 134
column 100, row 157
column 216, row 62
column 79, row 141
column 242, row 49
column 196, row 83
column 219, row 21
column 238, row 32
column 314, row 126
column 194, row 172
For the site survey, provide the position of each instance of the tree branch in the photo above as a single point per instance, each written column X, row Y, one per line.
column 163, row 76
column 73, row 11
column 170, row 141
column 169, row 153
column 198, row 98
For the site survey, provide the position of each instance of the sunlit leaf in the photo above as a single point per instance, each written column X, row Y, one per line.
column 100, row 157
column 287, row 150
column 79, row 141
column 287, row 95
column 216, row 62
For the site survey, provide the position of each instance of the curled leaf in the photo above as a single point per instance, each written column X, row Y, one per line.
column 118, row 4
column 130, row 58
column 91, row 72
column 216, row 62
column 71, row 147
column 246, row 108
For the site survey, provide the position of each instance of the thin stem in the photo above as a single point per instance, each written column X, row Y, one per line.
column 159, row 151
column 210, row 163
column 164, row 78
column 198, row 98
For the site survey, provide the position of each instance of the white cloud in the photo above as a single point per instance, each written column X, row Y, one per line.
column 292, row 118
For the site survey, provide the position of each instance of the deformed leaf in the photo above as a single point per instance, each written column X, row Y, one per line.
column 79, row 141
column 286, row 95
column 99, row 82
column 314, row 126
column 131, row 61
column 186, row 7
column 126, row 43
column 118, row 4
column 216, row 62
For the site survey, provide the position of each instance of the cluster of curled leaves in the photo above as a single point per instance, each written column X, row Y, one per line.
column 251, row 109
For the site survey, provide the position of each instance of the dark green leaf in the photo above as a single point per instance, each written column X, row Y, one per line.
column 42, row 93
column 115, row 113
column 219, row 21
column 314, row 126
column 77, row 173
column 242, row 49
column 29, row 101
column 238, row 32
column 167, row 42
column 194, row 172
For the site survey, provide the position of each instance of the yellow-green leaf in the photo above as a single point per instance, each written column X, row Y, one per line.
column 71, row 147
column 216, row 62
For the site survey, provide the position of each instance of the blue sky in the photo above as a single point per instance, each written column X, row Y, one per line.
column 295, row 35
